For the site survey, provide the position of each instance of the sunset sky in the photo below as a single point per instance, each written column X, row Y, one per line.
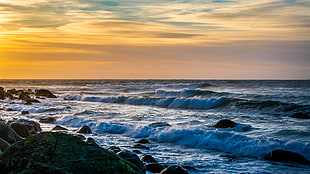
column 202, row 39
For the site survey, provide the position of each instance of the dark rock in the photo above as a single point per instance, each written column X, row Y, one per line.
column 2, row 93
column 3, row 145
column 286, row 156
column 114, row 149
column 52, row 152
column 32, row 100
column 154, row 167
column 44, row 93
column 20, row 129
column 131, row 157
column 57, row 127
column 23, row 96
column 225, row 124
column 148, row 159
column 9, row 109
column 8, row 134
column 84, row 130
column 174, row 170
column 159, row 124
column 25, row 112
column 140, row 146
column 47, row 120
column 90, row 140
column 28, row 103
column 137, row 151
column 300, row 115
column 80, row 137
column 143, row 141
column 33, row 127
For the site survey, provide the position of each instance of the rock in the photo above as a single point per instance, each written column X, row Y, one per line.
column 143, row 141
column 20, row 129
column 33, row 127
column 140, row 146
column 28, row 103
column 225, row 124
column 80, row 137
column 47, row 120
column 114, row 149
column 300, row 115
column 31, row 100
column 52, row 152
column 174, row 170
column 8, row 134
column 57, row 127
column 90, row 140
column 159, row 124
column 25, row 112
column 131, row 157
column 2, row 93
column 44, row 93
column 154, row 167
column 148, row 159
column 3, row 145
column 137, row 151
column 84, row 130
column 286, row 156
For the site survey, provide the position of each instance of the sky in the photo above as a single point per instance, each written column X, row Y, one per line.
column 155, row 39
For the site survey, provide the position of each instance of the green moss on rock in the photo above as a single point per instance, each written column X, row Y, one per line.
column 52, row 152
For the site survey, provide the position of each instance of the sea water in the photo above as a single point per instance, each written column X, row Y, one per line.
column 120, row 112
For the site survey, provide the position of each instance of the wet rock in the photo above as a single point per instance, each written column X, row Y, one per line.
column 159, row 124
column 286, row 156
column 3, row 145
column 52, row 152
column 114, row 149
column 148, row 159
column 154, row 167
column 25, row 112
column 47, row 120
column 140, row 146
column 32, row 126
column 90, row 140
column 84, row 130
column 174, row 170
column 20, row 129
column 225, row 124
column 300, row 115
column 57, row 127
column 131, row 157
column 8, row 134
column 143, row 141
column 44, row 93
column 2, row 93
column 137, row 151
column 80, row 137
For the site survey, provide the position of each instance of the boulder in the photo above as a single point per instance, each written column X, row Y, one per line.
column 20, row 129
column 143, row 141
column 47, row 120
column 225, row 124
column 159, row 124
column 154, row 167
column 174, row 170
column 132, row 157
column 286, row 156
column 8, row 134
column 57, row 127
column 2, row 93
column 52, row 152
column 3, row 145
column 44, row 93
column 300, row 115
column 25, row 112
column 140, row 146
column 84, row 130
column 33, row 127
column 148, row 159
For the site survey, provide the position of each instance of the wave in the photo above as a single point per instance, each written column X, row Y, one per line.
column 188, row 93
column 213, row 139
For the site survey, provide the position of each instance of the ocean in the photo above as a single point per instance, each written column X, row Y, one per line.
column 177, row 116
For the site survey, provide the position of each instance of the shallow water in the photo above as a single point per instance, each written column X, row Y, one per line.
column 120, row 112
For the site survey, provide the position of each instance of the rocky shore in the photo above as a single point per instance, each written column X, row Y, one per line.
column 26, row 149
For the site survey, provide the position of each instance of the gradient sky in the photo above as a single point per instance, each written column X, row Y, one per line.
column 204, row 39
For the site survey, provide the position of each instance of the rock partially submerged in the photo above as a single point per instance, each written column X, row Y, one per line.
column 44, row 93
column 52, row 152
column 225, row 124
column 300, row 115
column 286, row 156
column 174, row 170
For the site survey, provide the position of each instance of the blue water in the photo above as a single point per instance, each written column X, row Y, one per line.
column 121, row 111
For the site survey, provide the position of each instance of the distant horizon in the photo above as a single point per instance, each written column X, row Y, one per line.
column 155, row 39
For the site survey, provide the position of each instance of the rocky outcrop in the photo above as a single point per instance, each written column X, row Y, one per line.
column 32, row 126
column 44, row 93
column 8, row 134
column 47, row 120
column 84, row 130
column 286, row 156
column 132, row 157
column 225, row 124
column 2, row 93
column 159, row 124
column 52, row 152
